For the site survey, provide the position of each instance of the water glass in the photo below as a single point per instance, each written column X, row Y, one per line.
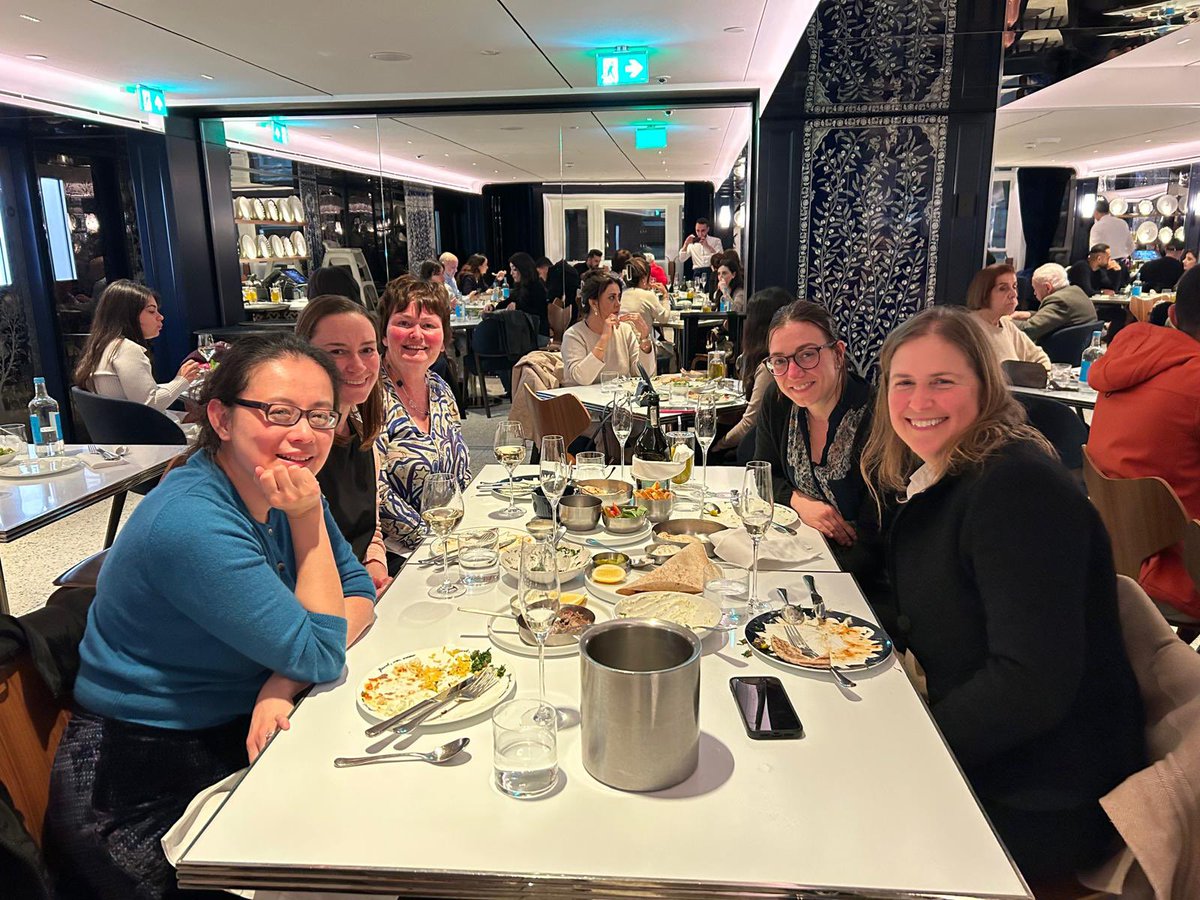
column 15, row 437
column 680, row 446
column 478, row 556
column 610, row 381
column 525, row 747
column 589, row 464
column 729, row 593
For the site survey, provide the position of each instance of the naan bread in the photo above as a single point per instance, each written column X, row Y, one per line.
column 687, row 572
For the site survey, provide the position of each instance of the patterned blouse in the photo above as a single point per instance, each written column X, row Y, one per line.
column 408, row 455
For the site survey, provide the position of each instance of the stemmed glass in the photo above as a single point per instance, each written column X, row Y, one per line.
column 554, row 473
column 206, row 346
column 756, row 508
column 706, row 433
column 622, row 424
column 509, row 446
column 442, row 510
column 538, row 591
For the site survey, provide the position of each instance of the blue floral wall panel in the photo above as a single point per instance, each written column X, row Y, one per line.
column 418, row 207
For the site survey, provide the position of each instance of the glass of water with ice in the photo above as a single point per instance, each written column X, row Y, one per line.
column 478, row 557
column 525, row 747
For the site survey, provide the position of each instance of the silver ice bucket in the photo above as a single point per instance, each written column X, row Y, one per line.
column 640, row 705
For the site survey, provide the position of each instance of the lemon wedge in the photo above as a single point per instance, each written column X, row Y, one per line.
column 608, row 574
column 572, row 599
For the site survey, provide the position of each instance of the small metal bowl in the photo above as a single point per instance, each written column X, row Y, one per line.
column 608, row 490
column 656, row 510
column 541, row 506
column 539, row 529
column 611, row 558
column 557, row 638
column 660, row 551
column 624, row 525
column 579, row 512
column 698, row 527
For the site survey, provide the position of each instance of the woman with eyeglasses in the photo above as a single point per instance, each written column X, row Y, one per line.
column 814, row 422
column 230, row 570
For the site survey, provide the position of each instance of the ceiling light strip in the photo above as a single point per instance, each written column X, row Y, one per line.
column 81, row 112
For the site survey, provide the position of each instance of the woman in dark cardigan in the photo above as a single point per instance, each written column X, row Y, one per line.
column 1003, row 582
column 812, row 427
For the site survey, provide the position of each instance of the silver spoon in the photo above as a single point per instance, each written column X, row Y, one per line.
column 437, row 755
column 789, row 612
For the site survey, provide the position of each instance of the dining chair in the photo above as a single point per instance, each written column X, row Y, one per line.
column 1144, row 516
column 488, row 356
column 112, row 421
column 564, row 415
column 1060, row 425
column 1066, row 345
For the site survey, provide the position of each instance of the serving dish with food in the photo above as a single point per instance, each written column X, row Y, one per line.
column 401, row 683
column 849, row 642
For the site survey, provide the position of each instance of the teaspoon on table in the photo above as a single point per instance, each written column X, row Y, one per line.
column 437, row 755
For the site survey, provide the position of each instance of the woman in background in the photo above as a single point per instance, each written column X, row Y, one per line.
column 992, row 297
column 472, row 277
column 731, row 286
column 607, row 340
column 116, row 360
column 528, row 292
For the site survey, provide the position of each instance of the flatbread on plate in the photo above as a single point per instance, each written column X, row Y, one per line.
column 687, row 572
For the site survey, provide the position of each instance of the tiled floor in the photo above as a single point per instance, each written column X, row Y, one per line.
column 33, row 562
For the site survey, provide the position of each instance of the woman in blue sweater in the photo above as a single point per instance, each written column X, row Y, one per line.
column 231, row 576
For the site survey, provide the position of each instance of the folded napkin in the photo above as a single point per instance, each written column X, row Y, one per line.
column 96, row 461
column 776, row 550
column 656, row 471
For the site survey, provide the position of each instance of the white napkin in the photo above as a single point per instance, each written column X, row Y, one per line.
column 656, row 471
column 776, row 550
column 96, row 461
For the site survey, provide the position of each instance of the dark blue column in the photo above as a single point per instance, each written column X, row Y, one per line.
column 874, row 162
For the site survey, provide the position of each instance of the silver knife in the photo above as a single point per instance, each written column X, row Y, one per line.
column 817, row 602
column 400, row 718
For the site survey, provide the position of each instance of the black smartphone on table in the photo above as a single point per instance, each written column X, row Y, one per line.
column 766, row 711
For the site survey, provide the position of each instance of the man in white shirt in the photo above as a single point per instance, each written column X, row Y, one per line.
column 700, row 247
column 450, row 272
column 1108, row 229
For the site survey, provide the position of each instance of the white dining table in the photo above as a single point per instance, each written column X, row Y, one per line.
column 1080, row 396
column 597, row 399
column 28, row 504
column 869, row 802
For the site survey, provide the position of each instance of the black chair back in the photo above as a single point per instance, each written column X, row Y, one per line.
column 1060, row 425
column 1067, row 344
column 487, row 339
column 112, row 421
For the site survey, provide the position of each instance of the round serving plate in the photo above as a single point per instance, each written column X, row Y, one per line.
column 503, row 633
column 43, row 467
column 1147, row 233
column 1145, row 207
column 1167, row 204
column 1118, row 206
column 457, row 712
column 756, row 626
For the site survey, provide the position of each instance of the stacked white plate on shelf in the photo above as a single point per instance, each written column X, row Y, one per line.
column 1167, row 204
column 1147, row 232
column 264, row 246
column 297, row 208
column 1165, row 234
column 298, row 243
column 277, row 248
column 1145, row 207
column 246, row 247
column 1118, row 206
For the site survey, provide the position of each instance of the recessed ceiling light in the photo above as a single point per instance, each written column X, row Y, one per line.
column 495, row 171
column 1184, row 41
column 29, row 18
column 1149, row 141
column 474, row 164
column 36, row 57
column 734, row 29
column 327, row 137
column 390, row 56
column 574, row 127
column 489, row 52
column 206, row 77
column 446, row 154
column 410, row 142
column 357, row 126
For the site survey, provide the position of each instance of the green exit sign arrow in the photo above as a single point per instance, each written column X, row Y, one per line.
column 151, row 100
column 614, row 68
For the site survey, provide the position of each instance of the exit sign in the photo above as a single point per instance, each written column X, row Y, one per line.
column 650, row 138
column 151, row 100
column 279, row 133
column 622, row 67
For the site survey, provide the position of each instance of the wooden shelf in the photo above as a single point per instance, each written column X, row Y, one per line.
column 270, row 259
column 269, row 222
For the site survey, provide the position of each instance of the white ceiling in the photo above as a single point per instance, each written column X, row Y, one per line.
column 314, row 51
column 1135, row 111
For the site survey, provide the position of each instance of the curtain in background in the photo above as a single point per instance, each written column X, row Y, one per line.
column 1041, row 192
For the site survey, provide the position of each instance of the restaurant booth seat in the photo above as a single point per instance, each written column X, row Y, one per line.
column 112, row 421
column 1144, row 516
column 1066, row 345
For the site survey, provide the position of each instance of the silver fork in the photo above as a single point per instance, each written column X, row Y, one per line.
column 796, row 638
column 471, row 692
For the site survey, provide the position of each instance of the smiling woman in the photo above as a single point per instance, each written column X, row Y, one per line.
column 422, row 433
column 230, row 570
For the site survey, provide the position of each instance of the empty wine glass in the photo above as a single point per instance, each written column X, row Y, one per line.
column 538, row 592
column 756, row 509
column 622, row 424
column 206, row 346
column 554, row 472
column 706, row 433
column 509, row 446
column 442, row 510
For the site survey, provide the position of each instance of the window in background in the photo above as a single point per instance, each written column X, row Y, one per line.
column 638, row 230
column 576, row 225
column 58, row 228
column 6, row 277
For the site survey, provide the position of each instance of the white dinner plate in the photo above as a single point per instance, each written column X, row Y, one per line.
column 503, row 633
column 1165, row 234
column 457, row 712
column 288, row 249
column 1167, row 204
column 277, row 247
column 1118, row 206
column 246, row 247
column 260, row 211
column 244, row 209
column 40, row 468
column 1147, row 233
column 1145, row 207
column 272, row 209
column 299, row 244
column 285, row 211
column 8, row 456
column 784, row 515
column 264, row 246
column 1179, row 233
column 297, row 208
column 693, row 611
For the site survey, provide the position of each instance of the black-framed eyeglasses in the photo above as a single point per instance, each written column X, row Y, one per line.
column 805, row 358
column 288, row 415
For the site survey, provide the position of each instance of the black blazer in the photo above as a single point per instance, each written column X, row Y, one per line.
column 1004, row 587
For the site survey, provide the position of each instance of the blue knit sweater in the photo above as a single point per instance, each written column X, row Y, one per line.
column 196, row 606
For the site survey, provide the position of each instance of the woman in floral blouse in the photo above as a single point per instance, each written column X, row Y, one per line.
column 422, row 433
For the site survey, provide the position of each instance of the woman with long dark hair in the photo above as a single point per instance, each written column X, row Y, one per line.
column 115, row 361
column 472, row 277
column 731, row 286
column 349, row 479
column 528, row 291
column 755, row 376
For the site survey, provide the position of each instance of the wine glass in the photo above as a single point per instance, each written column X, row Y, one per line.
column 442, row 510
column 756, row 509
column 509, row 446
column 538, row 592
column 622, row 424
column 554, row 473
column 206, row 346
column 706, row 433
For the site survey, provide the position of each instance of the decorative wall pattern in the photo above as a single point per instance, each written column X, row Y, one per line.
column 418, row 208
column 871, row 209
column 310, row 198
column 880, row 55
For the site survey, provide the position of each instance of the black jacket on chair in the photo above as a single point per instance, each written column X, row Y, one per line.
column 1005, row 591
